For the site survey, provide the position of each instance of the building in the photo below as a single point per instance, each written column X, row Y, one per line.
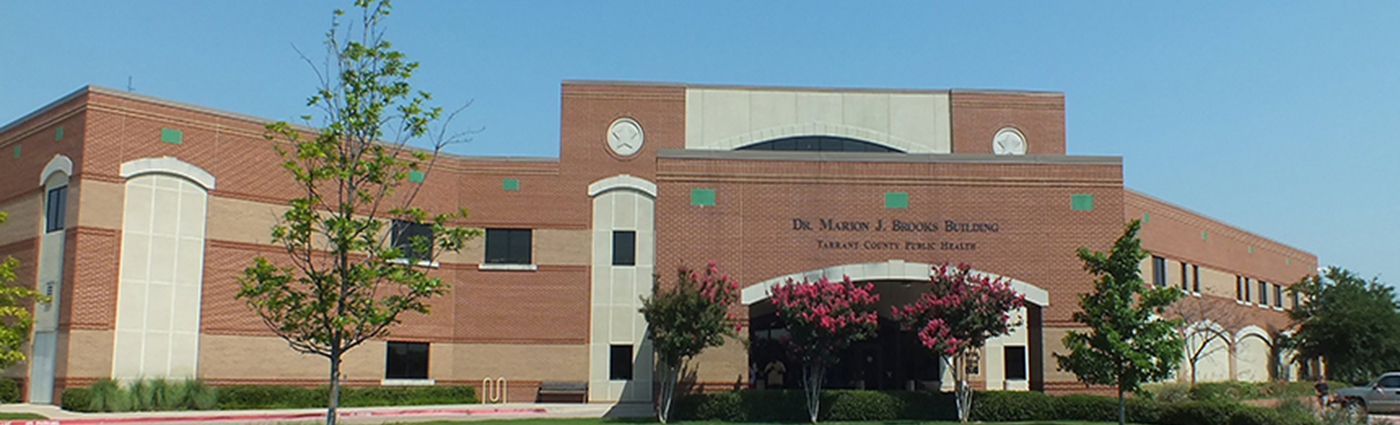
column 137, row 213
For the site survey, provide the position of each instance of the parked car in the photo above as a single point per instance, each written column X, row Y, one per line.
column 1382, row 395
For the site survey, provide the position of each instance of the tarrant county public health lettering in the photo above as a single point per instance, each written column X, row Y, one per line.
column 895, row 226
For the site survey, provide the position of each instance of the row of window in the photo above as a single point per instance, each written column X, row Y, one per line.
column 409, row 360
column 503, row 246
column 1243, row 294
column 1191, row 282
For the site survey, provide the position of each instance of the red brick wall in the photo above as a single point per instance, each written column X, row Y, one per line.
column 750, row 230
column 977, row 116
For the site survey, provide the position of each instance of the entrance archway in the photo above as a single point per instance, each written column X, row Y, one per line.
column 894, row 360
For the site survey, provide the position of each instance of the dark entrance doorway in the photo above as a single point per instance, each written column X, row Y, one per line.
column 892, row 360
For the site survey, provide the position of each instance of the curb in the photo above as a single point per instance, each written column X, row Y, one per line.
column 269, row 417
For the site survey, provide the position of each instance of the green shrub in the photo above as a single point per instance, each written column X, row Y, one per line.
column 106, row 395
column 200, row 396
column 1171, row 392
column 268, row 397
column 864, row 406
column 1250, row 415
column 76, row 400
column 9, row 391
column 1085, row 407
column 1012, row 406
column 1214, row 412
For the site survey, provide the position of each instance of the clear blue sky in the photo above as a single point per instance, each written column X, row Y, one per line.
column 1278, row 117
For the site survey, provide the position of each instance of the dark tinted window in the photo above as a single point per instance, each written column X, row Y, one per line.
column 55, row 209
column 1263, row 293
column 1015, row 363
column 1184, row 280
column 414, row 241
column 508, row 246
column 624, row 248
column 620, row 367
column 1159, row 271
column 406, row 360
column 1389, row 382
column 1278, row 296
column 1196, row 279
column 818, row 144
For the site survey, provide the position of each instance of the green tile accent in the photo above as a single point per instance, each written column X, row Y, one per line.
column 1251, row 249
column 415, row 176
column 1144, row 218
column 1203, row 235
column 16, row 151
column 1287, row 261
column 702, row 197
column 58, row 133
column 898, row 200
column 1081, row 202
column 510, row 184
column 171, row 136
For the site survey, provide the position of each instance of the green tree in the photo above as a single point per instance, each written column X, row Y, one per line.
column 1130, row 342
column 355, row 247
column 1351, row 323
column 15, row 319
column 686, row 319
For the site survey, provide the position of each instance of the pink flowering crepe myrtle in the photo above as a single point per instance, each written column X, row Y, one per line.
column 960, row 311
column 822, row 318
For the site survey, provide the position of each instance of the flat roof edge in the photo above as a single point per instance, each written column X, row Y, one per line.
column 887, row 157
column 804, row 89
column 1214, row 220
column 47, row 107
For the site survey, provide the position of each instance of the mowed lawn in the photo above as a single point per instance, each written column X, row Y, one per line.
column 652, row 421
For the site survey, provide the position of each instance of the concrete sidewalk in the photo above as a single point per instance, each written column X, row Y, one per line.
column 353, row 415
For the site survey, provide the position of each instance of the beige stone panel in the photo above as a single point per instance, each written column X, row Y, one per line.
column 870, row 111
column 237, row 220
column 1217, row 283
column 819, row 107
column 1252, row 359
column 25, row 219
column 89, row 354
column 1054, row 343
column 727, row 363
column 255, row 357
column 771, row 109
column 528, row 362
column 726, row 114
column 100, row 203
column 562, row 247
column 923, row 120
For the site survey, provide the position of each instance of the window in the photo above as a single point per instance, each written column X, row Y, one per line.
column 1015, row 363
column 508, row 246
column 1389, row 382
column 1196, row 279
column 414, row 240
column 1246, row 290
column 406, row 360
column 1278, row 296
column 620, row 367
column 1184, row 285
column 1239, row 288
column 1295, row 300
column 1159, row 271
column 1263, row 293
column 817, row 143
column 55, row 209
column 624, row 248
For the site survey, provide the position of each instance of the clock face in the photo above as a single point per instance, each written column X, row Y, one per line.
column 625, row 137
column 1009, row 141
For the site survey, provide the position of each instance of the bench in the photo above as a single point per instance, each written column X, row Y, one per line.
column 562, row 392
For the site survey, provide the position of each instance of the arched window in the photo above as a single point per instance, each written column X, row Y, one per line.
column 818, row 144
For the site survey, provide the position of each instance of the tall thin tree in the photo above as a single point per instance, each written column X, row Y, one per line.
column 355, row 245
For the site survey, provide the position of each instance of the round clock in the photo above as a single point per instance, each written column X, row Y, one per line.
column 625, row 137
column 1009, row 141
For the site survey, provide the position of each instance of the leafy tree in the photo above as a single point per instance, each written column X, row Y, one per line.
column 344, row 280
column 822, row 318
column 957, row 315
column 1129, row 341
column 1349, row 322
column 15, row 319
column 686, row 319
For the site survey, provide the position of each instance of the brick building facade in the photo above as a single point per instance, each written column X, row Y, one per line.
column 137, row 213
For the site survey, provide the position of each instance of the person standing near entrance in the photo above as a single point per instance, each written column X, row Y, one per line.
column 1322, row 390
column 775, row 372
